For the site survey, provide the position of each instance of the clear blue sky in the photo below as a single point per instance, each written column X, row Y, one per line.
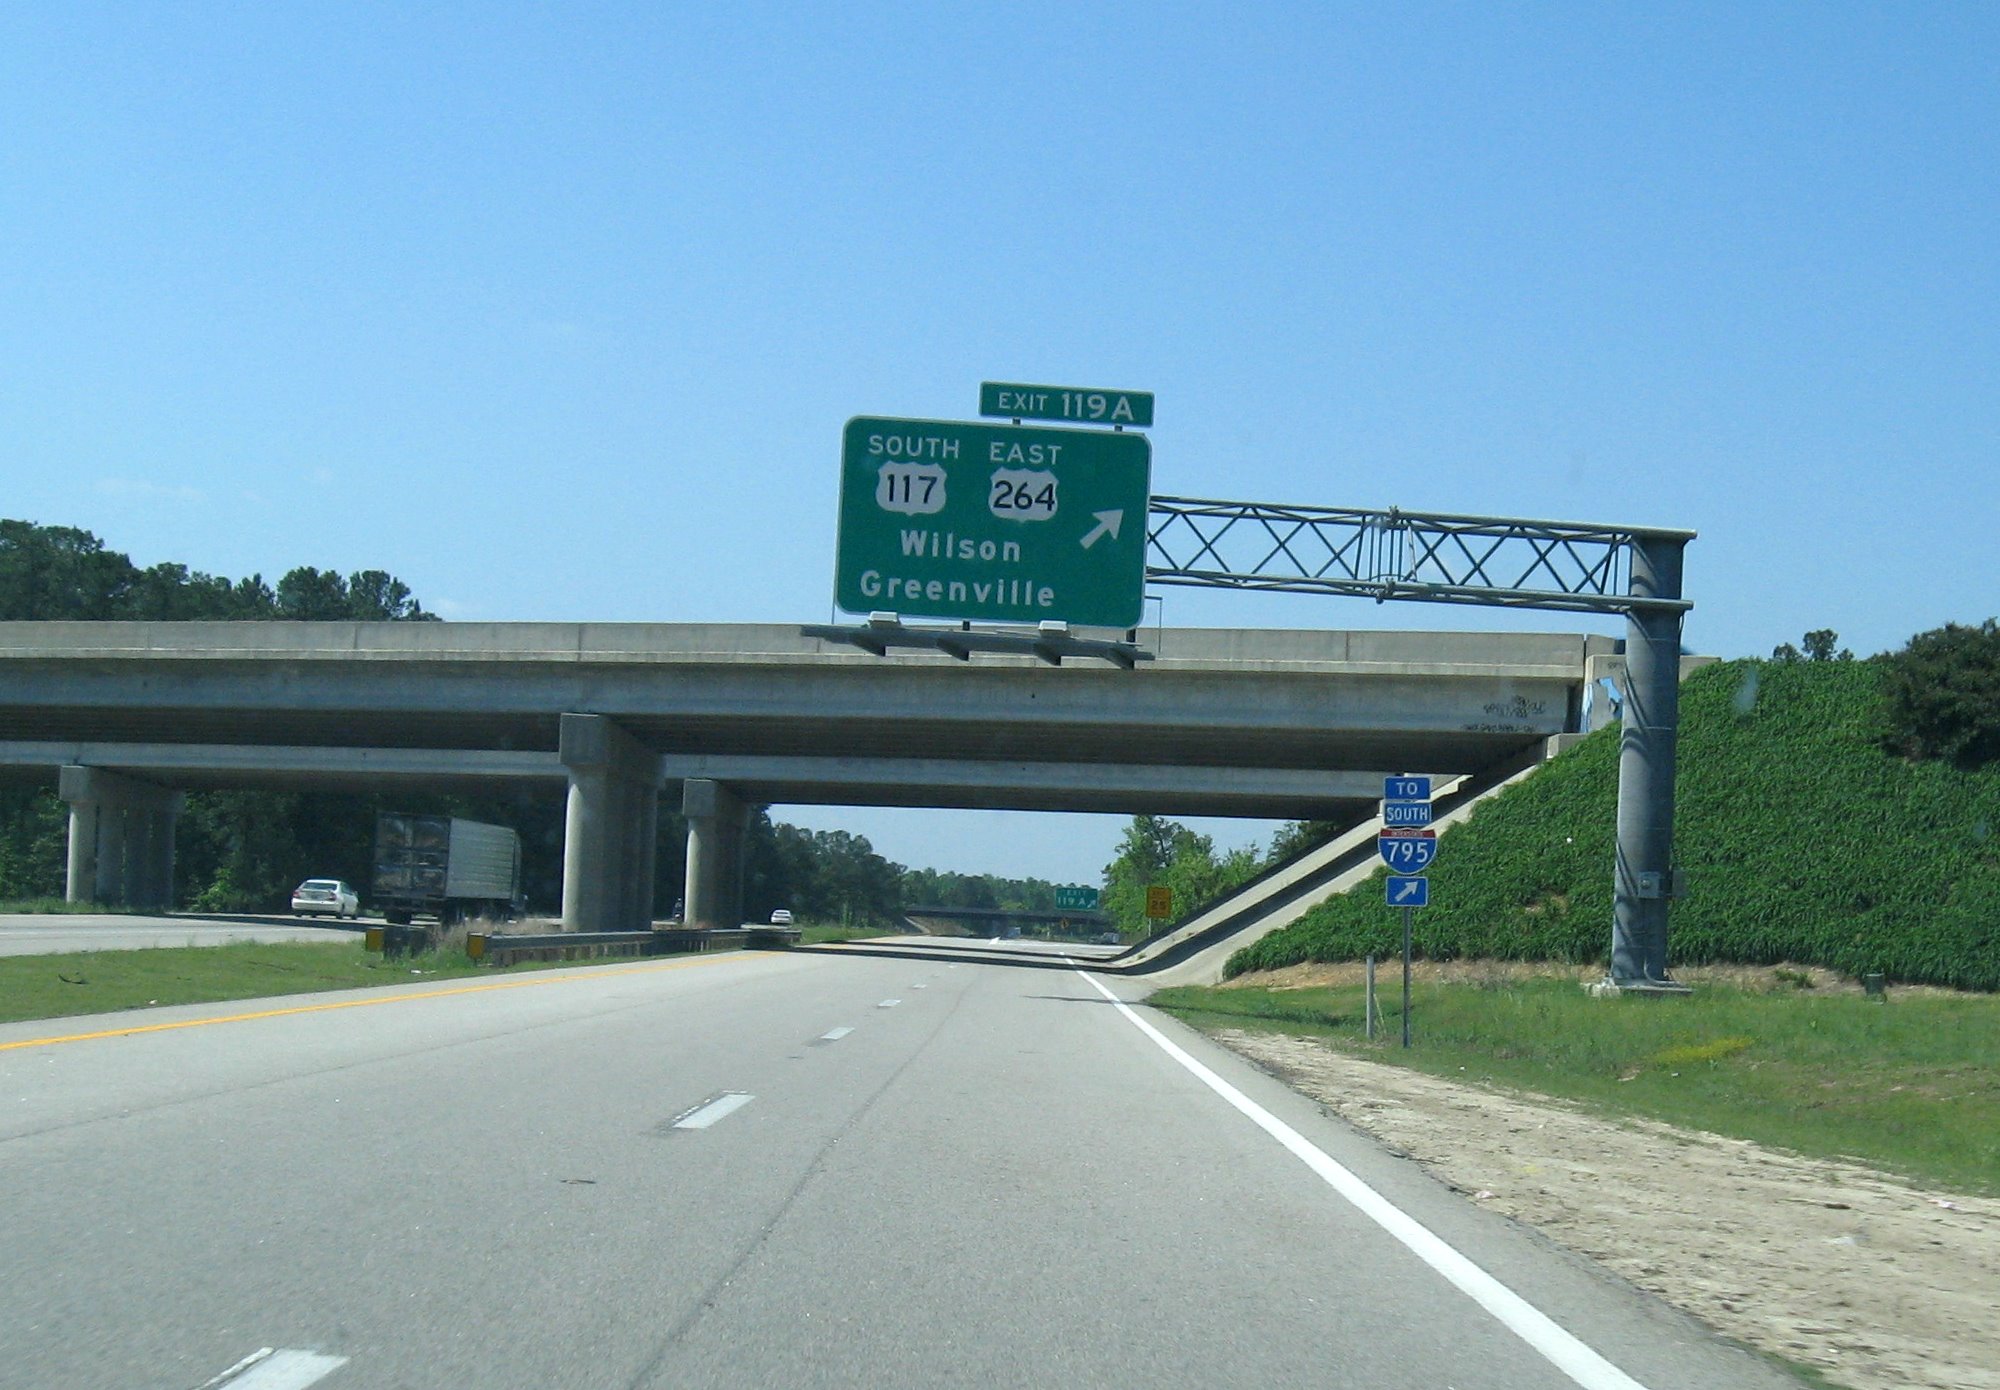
column 556, row 311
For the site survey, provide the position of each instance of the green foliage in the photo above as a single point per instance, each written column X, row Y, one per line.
column 1821, row 644
column 1295, row 837
column 1157, row 851
column 60, row 572
column 34, row 842
column 821, row 875
column 945, row 888
column 1943, row 692
column 1802, row 840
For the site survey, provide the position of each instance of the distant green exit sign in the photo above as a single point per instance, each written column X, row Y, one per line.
column 994, row 523
column 1076, row 899
column 1082, row 405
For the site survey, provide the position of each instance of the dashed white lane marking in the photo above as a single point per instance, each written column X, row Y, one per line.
column 888, row 1003
column 834, row 1034
column 919, row 986
column 276, row 1368
column 1560, row 1346
column 709, row 1111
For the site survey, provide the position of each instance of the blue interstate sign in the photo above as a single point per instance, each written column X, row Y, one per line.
column 1406, row 789
column 1407, row 851
column 1406, row 813
column 1407, row 892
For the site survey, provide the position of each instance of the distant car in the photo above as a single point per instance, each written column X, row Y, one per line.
column 781, row 918
column 325, row 897
column 1109, row 938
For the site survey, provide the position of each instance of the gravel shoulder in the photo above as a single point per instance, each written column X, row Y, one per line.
column 1877, row 1283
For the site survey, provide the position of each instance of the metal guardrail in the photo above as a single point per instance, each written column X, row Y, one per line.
column 502, row 950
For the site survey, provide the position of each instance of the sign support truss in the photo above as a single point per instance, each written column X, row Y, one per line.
column 1495, row 562
column 1423, row 556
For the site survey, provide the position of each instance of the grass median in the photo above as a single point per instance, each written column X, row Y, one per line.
column 96, row 982
column 1908, row 1085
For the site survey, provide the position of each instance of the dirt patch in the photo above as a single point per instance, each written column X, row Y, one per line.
column 1782, row 978
column 1881, row 1285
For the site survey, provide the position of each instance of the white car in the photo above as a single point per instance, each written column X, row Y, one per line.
column 782, row 917
column 325, row 897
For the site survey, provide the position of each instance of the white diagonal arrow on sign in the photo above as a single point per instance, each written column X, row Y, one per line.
column 1106, row 521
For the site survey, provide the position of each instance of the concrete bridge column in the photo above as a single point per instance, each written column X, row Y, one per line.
column 613, row 779
column 716, row 820
column 121, row 838
column 82, row 881
column 646, row 825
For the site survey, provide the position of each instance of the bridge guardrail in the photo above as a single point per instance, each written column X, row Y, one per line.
column 502, row 950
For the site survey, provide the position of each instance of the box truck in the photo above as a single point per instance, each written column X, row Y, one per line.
column 444, row 867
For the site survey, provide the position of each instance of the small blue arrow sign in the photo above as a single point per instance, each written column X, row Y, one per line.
column 1407, row 892
column 1407, row 851
column 1406, row 789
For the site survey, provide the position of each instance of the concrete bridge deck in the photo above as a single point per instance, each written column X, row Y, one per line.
column 1262, row 723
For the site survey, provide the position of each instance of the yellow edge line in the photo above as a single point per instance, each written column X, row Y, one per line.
column 553, row 978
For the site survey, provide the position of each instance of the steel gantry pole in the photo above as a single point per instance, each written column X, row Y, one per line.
column 1643, row 884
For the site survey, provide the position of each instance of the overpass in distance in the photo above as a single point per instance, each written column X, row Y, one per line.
column 1277, row 724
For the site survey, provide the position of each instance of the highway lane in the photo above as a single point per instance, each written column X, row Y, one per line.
column 945, row 1174
column 35, row 934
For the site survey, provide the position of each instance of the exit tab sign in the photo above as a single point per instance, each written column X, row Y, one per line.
column 1081, row 405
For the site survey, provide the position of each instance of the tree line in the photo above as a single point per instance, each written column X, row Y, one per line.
column 59, row 572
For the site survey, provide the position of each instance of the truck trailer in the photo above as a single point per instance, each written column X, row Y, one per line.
column 447, row 868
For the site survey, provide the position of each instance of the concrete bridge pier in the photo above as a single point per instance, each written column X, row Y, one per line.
column 613, row 815
column 121, row 838
column 716, row 820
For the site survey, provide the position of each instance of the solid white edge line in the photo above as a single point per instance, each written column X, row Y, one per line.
column 274, row 1368
column 1561, row 1347
column 707, row 1113
column 245, row 1364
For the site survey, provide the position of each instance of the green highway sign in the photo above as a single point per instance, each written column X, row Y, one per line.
column 994, row 523
column 1085, row 405
column 1076, row 899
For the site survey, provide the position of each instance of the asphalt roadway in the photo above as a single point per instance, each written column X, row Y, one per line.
column 61, row 932
column 885, row 1172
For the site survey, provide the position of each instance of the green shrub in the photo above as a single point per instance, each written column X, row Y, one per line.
column 1943, row 695
column 1803, row 840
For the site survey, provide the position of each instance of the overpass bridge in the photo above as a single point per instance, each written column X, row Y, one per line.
column 1258, row 723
